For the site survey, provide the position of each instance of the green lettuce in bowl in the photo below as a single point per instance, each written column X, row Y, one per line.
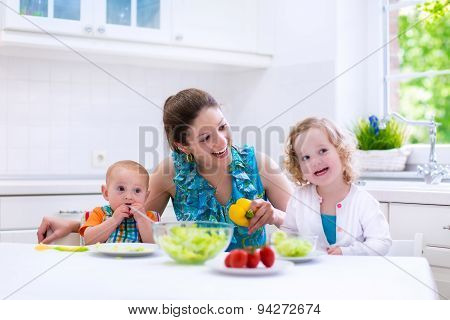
column 192, row 242
column 293, row 245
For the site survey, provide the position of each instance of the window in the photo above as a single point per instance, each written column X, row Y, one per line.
column 417, row 72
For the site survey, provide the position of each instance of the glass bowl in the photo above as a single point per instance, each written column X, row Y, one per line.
column 192, row 242
column 293, row 245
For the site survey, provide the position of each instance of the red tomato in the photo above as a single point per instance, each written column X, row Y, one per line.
column 253, row 259
column 267, row 256
column 238, row 258
column 227, row 261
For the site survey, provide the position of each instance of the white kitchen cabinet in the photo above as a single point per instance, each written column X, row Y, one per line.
column 434, row 222
column 220, row 24
column 385, row 209
column 30, row 236
column 132, row 20
column 139, row 20
column 236, row 25
column 26, row 212
column 442, row 278
column 19, row 236
column 71, row 17
column 230, row 32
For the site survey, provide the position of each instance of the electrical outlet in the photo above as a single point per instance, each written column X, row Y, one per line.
column 98, row 159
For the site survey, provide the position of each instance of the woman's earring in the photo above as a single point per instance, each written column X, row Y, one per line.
column 189, row 157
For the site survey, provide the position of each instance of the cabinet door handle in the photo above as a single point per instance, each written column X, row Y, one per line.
column 70, row 211
column 88, row 28
column 178, row 37
column 101, row 29
column 446, row 227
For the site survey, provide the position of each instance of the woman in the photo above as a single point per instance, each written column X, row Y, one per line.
column 206, row 174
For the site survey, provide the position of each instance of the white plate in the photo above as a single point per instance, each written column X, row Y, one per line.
column 219, row 266
column 310, row 256
column 125, row 249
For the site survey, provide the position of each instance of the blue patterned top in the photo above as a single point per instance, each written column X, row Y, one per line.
column 195, row 198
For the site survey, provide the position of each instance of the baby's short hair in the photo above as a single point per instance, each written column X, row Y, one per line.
column 127, row 164
column 343, row 142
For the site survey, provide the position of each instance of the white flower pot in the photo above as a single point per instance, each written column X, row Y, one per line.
column 382, row 160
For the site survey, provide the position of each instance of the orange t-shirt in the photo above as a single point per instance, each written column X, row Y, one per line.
column 97, row 216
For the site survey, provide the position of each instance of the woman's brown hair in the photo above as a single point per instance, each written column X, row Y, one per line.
column 344, row 144
column 180, row 110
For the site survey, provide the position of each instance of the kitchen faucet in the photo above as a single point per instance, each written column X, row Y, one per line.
column 432, row 172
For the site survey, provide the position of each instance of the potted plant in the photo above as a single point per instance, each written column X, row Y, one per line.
column 381, row 149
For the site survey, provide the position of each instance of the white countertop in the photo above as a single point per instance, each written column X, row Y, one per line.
column 409, row 191
column 31, row 274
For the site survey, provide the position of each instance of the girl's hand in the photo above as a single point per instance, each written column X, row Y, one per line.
column 336, row 251
column 122, row 212
column 264, row 214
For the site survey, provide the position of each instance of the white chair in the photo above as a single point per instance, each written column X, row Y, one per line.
column 407, row 248
column 72, row 239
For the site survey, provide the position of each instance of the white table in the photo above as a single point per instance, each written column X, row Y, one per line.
column 91, row 276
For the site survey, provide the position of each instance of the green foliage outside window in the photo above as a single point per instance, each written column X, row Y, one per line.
column 426, row 46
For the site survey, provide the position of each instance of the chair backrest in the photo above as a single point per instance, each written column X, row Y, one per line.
column 72, row 239
column 407, row 248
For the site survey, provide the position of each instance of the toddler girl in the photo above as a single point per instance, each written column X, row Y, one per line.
column 326, row 203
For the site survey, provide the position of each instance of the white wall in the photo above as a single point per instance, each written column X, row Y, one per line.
column 316, row 41
column 351, row 61
column 53, row 114
column 359, row 59
column 375, row 63
column 304, row 61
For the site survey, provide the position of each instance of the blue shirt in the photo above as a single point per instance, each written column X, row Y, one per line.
column 329, row 227
column 195, row 198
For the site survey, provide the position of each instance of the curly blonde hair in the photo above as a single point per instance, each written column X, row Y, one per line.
column 344, row 144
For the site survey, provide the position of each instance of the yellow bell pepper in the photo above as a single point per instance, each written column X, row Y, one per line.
column 240, row 212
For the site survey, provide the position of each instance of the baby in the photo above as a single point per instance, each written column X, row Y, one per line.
column 123, row 220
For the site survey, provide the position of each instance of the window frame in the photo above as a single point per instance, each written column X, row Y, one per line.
column 388, row 76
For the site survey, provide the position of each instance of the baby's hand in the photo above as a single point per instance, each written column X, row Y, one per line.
column 122, row 212
column 137, row 210
column 334, row 251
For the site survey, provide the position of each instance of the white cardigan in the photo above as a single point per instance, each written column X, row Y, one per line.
column 361, row 228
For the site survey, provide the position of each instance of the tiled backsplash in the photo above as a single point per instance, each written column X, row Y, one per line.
column 54, row 114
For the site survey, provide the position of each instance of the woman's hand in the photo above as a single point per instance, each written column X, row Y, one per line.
column 265, row 213
column 335, row 251
column 53, row 228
